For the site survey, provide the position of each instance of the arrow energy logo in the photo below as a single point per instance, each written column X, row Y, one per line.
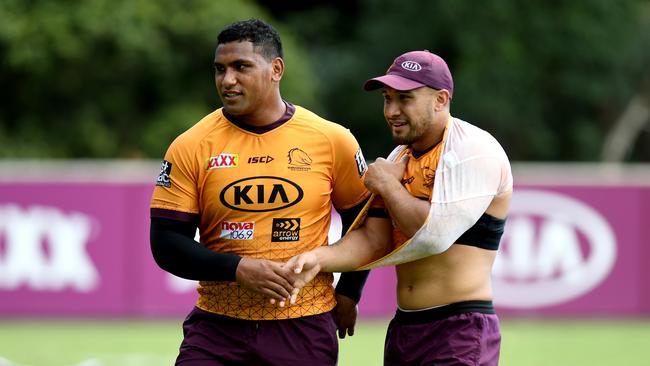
column 285, row 230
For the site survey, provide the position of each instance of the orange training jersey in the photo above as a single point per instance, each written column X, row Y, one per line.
column 262, row 195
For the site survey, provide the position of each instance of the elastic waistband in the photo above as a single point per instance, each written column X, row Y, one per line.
column 442, row 312
column 204, row 314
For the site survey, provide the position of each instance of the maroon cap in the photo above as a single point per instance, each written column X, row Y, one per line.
column 413, row 70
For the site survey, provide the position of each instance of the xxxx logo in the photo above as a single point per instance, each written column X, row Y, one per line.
column 223, row 161
column 47, row 250
column 286, row 230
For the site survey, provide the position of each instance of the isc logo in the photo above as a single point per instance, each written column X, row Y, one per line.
column 260, row 159
column 223, row 161
column 554, row 249
column 261, row 194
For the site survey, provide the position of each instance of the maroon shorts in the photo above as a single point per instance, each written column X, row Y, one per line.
column 211, row 339
column 463, row 333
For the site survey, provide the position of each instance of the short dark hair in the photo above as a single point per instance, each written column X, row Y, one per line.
column 261, row 34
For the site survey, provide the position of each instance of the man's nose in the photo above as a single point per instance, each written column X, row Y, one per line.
column 391, row 110
column 229, row 78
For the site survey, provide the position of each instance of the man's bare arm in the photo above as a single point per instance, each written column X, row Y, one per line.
column 369, row 242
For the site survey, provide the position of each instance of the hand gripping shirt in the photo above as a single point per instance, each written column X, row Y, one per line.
column 418, row 178
column 264, row 194
column 460, row 177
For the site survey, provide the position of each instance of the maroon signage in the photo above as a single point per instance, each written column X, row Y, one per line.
column 82, row 248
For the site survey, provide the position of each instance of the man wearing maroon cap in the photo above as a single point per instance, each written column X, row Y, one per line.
column 441, row 200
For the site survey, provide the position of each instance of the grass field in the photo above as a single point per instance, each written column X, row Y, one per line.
column 149, row 343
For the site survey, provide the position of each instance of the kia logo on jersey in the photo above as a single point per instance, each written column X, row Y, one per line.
column 223, row 161
column 554, row 249
column 261, row 194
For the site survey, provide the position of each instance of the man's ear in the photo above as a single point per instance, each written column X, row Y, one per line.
column 277, row 69
column 442, row 99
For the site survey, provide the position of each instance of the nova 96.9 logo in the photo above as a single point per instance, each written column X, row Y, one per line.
column 554, row 249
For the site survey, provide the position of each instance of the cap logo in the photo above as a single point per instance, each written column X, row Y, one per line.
column 411, row 66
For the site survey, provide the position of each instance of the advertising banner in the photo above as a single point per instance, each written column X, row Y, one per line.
column 81, row 248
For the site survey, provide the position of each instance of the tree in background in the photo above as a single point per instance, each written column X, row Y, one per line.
column 554, row 81
column 116, row 78
column 549, row 79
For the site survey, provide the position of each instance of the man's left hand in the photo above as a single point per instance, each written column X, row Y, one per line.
column 346, row 311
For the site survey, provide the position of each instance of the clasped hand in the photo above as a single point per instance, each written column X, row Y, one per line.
column 305, row 267
column 384, row 174
column 280, row 282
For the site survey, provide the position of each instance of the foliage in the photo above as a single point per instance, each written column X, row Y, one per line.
column 115, row 78
column 547, row 79
column 102, row 78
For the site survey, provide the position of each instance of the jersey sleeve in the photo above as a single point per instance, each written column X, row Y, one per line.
column 349, row 168
column 177, row 183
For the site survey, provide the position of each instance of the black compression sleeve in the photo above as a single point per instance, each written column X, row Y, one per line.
column 351, row 283
column 348, row 216
column 174, row 249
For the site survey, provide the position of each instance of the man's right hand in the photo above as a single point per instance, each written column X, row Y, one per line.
column 269, row 278
column 305, row 266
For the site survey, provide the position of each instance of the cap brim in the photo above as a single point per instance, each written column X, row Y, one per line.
column 394, row 81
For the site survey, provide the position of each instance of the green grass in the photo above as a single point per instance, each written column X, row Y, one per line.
column 144, row 343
